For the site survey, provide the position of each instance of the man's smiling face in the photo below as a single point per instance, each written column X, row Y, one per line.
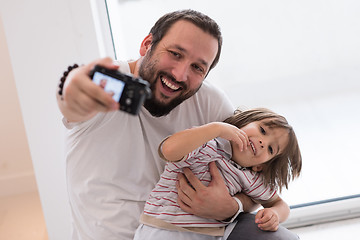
column 177, row 65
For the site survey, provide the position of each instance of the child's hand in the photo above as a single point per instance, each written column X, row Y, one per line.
column 267, row 220
column 234, row 134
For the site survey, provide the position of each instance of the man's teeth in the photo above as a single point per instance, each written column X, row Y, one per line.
column 169, row 84
column 253, row 147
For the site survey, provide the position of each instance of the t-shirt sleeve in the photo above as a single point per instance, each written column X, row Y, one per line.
column 258, row 191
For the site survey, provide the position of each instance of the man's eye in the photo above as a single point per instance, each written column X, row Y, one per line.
column 175, row 54
column 198, row 68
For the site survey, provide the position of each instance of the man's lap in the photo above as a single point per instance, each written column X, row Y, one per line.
column 246, row 229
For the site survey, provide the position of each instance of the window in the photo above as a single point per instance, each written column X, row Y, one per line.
column 299, row 58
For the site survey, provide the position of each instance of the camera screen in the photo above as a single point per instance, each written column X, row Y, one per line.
column 111, row 85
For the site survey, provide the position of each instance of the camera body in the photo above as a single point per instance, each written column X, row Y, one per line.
column 129, row 91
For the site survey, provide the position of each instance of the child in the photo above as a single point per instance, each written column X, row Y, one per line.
column 256, row 152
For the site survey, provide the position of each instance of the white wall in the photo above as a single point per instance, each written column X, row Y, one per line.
column 43, row 38
column 16, row 171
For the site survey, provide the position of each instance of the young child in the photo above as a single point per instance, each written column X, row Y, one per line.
column 256, row 152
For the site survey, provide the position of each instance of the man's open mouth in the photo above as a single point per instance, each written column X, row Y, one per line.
column 169, row 84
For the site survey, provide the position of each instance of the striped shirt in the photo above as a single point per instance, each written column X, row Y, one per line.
column 162, row 202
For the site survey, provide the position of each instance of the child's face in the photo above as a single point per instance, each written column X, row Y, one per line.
column 265, row 144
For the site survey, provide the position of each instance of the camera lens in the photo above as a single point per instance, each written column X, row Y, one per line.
column 128, row 101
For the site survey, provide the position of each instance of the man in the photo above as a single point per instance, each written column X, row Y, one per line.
column 112, row 159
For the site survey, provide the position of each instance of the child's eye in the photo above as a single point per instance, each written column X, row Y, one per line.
column 271, row 150
column 262, row 130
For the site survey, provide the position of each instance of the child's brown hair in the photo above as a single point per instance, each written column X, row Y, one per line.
column 285, row 166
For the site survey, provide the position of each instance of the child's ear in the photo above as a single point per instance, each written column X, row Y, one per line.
column 257, row 168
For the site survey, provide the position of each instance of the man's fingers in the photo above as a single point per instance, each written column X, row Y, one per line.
column 193, row 180
column 87, row 104
column 183, row 198
column 104, row 101
column 215, row 174
column 184, row 186
column 184, row 206
column 98, row 99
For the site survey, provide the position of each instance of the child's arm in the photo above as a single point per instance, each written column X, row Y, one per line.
column 275, row 212
column 181, row 143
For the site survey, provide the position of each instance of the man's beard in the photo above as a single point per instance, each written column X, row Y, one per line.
column 148, row 72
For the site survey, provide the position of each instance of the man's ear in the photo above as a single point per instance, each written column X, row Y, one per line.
column 145, row 45
column 257, row 168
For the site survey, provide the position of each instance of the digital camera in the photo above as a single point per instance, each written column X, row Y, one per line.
column 129, row 91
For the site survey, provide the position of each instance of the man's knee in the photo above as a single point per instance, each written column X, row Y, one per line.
column 246, row 229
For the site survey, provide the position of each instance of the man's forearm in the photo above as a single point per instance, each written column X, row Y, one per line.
column 248, row 204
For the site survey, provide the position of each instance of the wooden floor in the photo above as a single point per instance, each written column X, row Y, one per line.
column 21, row 218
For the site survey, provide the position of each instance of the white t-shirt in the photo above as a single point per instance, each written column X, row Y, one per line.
column 112, row 162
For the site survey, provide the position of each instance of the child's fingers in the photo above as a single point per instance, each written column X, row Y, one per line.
column 244, row 138
column 259, row 216
column 241, row 139
column 267, row 220
column 271, row 225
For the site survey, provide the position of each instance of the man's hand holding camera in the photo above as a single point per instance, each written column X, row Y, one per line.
column 82, row 99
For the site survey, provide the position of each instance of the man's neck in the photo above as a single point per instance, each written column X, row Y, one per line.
column 134, row 67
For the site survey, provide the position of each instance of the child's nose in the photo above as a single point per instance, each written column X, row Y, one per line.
column 261, row 144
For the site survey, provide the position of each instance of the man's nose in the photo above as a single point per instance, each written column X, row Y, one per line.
column 181, row 72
